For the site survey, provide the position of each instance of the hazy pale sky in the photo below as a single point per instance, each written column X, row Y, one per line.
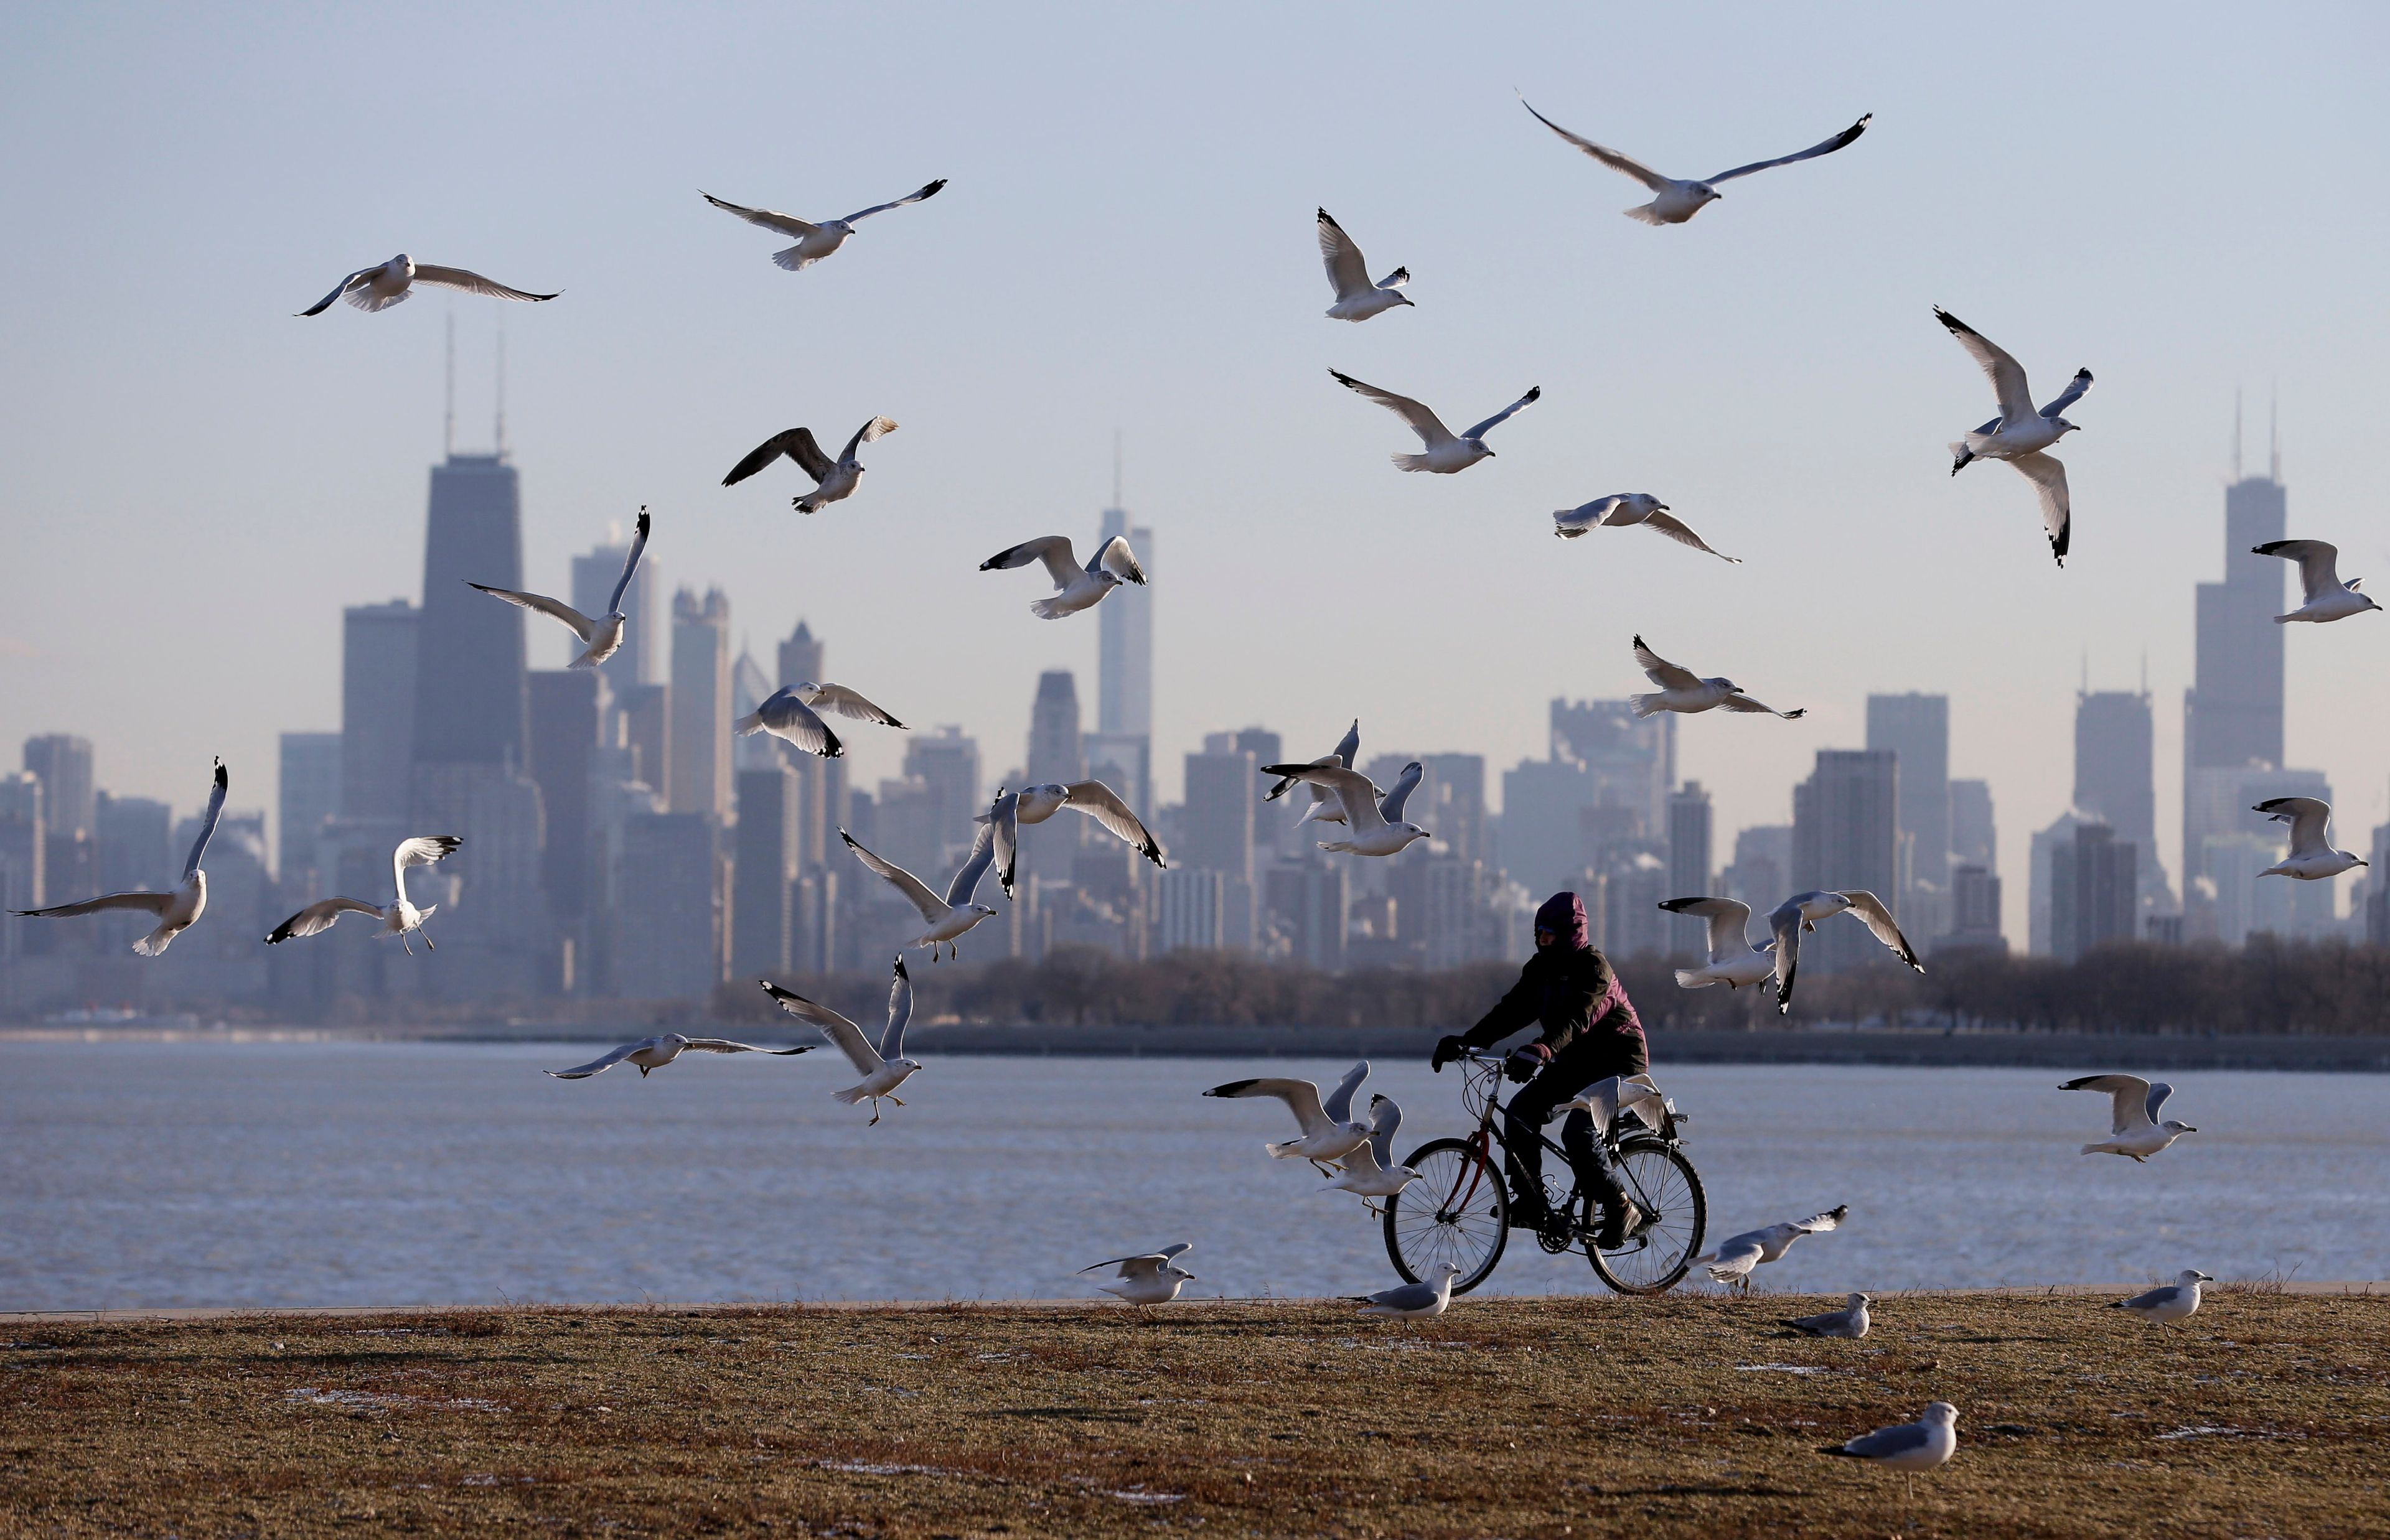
column 2186, row 199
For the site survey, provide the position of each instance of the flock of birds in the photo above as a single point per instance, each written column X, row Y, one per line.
column 1358, row 1152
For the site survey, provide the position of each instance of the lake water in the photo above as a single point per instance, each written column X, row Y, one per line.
column 285, row 1173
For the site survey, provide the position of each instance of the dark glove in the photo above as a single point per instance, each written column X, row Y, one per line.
column 1524, row 1063
column 1446, row 1051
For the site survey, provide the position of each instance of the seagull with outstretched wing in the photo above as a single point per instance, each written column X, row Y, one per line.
column 2322, row 595
column 834, row 479
column 882, row 1065
column 603, row 636
column 650, row 1054
column 385, row 284
column 1035, row 804
column 1076, row 587
column 1679, row 200
column 815, row 241
column 177, row 909
column 949, row 916
column 399, row 917
column 2312, row 857
column 1620, row 509
column 2020, row 434
column 1448, row 453
column 1149, row 1278
column 1802, row 911
column 1356, row 298
column 1326, row 806
column 1373, row 821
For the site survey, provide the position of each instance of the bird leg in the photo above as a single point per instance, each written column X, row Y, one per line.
column 427, row 942
column 874, row 1111
column 404, row 941
column 898, row 1101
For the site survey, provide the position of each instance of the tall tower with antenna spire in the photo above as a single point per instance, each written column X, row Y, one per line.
column 1124, row 735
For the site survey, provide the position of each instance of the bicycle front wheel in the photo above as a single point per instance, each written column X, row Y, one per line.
column 1666, row 1187
column 1458, row 1211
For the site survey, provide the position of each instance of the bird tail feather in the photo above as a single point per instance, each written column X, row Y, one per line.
column 1645, row 705
column 1410, row 462
column 1047, row 610
column 1339, row 845
column 1648, row 212
column 1283, row 1151
column 746, row 726
column 155, row 943
column 849, row 1097
column 1690, row 978
column 791, row 261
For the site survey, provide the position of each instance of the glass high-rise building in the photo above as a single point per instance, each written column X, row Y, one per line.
column 2116, row 778
column 594, row 577
column 2232, row 713
column 469, row 704
column 1124, row 641
column 377, row 655
column 1845, row 835
column 1917, row 727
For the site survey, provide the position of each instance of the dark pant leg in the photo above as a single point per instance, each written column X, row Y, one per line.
column 1522, row 1126
column 1579, row 1066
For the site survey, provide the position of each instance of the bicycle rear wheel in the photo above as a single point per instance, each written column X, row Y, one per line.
column 1663, row 1183
column 1458, row 1211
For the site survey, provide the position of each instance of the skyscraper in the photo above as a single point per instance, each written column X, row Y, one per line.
column 1689, row 865
column 2116, row 777
column 947, row 764
column 1217, row 831
column 1974, row 838
column 667, row 932
column 309, row 797
column 69, row 797
column 594, row 577
column 821, row 783
column 698, row 750
column 1124, row 641
column 1055, row 755
column 1846, row 834
column 2232, row 713
column 1917, row 728
column 762, row 895
column 378, row 647
column 2093, row 888
column 469, row 660
column 569, row 708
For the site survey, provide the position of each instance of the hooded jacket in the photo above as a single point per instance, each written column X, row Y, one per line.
column 1568, row 989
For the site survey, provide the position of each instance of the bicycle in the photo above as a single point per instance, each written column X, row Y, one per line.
column 1458, row 1210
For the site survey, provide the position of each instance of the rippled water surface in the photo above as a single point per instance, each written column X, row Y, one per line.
column 266, row 1173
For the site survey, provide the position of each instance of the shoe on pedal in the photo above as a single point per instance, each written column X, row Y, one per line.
column 1619, row 1222
column 1527, row 1214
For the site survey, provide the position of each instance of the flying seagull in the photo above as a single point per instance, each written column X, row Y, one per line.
column 1413, row 1301
column 1802, row 911
column 384, row 285
column 1369, row 1169
column 2311, row 855
column 1850, row 1322
column 1623, row 508
column 1356, row 298
column 2170, row 1302
column 1328, row 1132
column 834, row 481
column 604, row 636
column 1148, row 1279
column 1326, row 806
column 949, row 916
column 1680, row 691
column 399, row 918
column 1035, row 804
column 1734, row 962
column 654, row 1053
column 1374, row 825
column 1446, row 454
column 1680, row 201
column 815, row 241
column 2020, row 434
column 793, row 714
column 2322, row 595
column 2133, row 1125
column 1734, row 1257
column 1076, row 587
column 177, row 911
column 883, row 1068
column 1910, row 1447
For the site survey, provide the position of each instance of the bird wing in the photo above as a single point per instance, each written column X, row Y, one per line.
column 1742, row 703
column 878, row 427
column 1667, row 676
column 724, row 1044
column 930, row 191
column 1426, row 424
column 1003, row 815
column 319, row 917
column 788, row 224
column 2310, row 822
column 2073, row 394
column 1506, row 414
column 1349, row 746
column 1837, row 141
column 1300, row 1096
column 2156, row 1297
column 1346, row 272
column 1886, row 1443
column 932, row 907
column 2128, row 1099
column 797, row 443
column 342, row 287
column 1390, row 806
column 784, row 715
column 1354, row 789
column 421, row 851
column 1818, row 1223
column 2159, row 1091
column 1784, row 922
column 1146, row 1264
column 846, row 702
column 1408, row 1296
column 1677, row 531
column 1054, row 550
column 2007, row 374
column 583, row 1072
column 1385, row 1117
column 1104, row 805
column 2319, row 563
column 630, row 565
column 1338, row 1103
column 843, row 1034
column 580, row 624
column 1728, row 920
column 1869, row 909
column 208, row 821
column 471, row 283
column 150, row 903
column 1607, row 156
column 900, row 1010
column 1117, row 559
column 974, row 866
column 2049, row 478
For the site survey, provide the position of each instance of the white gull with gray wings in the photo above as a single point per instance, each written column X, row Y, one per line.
column 834, row 479
column 1374, row 824
column 653, row 1053
column 399, row 917
column 883, row 1067
column 604, row 635
column 1801, row 913
column 2133, row 1126
column 949, row 916
column 1035, row 804
column 1328, row 1132
column 176, row 910
column 2020, row 433
column 1076, row 587
column 1147, row 1280
column 2312, row 857
column 1448, row 453
column 1624, row 510
column 815, row 240
column 2323, row 596
column 1682, row 691
column 1679, row 199
column 1356, row 298
column 386, row 284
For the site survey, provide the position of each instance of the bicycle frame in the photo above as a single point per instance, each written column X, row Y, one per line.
column 1482, row 1089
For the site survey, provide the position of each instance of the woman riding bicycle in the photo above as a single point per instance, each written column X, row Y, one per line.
column 1590, row 1031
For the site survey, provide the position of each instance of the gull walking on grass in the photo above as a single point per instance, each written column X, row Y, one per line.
column 1326, row 806
column 1413, row 1302
column 177, row 910
column 1734, row 1258
column 1849, row 1323
column 1148, row 1279
column 1076, row 587
column 792, row 714
column 834, row 479
column 1368, row 1169
column 1912, row 1447
column 1801, row 912
column 2134, row 1127
column 1374, row 825
column 1035, row 804
column 2169, row 1302
column 1734, row 962
column 815, row 241
column 1356, row 298
column 653, row 1053
column 385, row 284
column 1446, row 453
column 949, row 916
column 2312, row 857
column 2322, row 595
column 1623, row 510
column 1679, row 200
column 1328, row 1132
column 2020, row 433
column 883, row 1068
column 1681, row 691
column 399, row 918
column 603, row 636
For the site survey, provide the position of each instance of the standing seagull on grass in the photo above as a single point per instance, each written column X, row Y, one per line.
column 1076, row 587
column 1679, row 201
column 1356, row 298
column 2170, row 1304
column 1148, row 1279
column 834, row 481
column 2322, row 595
column 649, row 1054
column 1910, row 1447
column 1413, row 1302
column 1737, row 1256
column 883, row 1068
column 1802, row 911
column 1681, row 691
column 2133, row 1125
column 1446, row 454
column 791, row 715
column 1326, row 806
column 2312, row 857
column 815, row 241
column 384, row 285
column 603, row 636
column 1035, row 804
column 949, row 916
column 1734, row 962
column 1620, row 509
column 400, row 918
column 2020, row 433
column 1374, row 825
column 177, row 911
column 1850, row 1323
column 1328, row 1130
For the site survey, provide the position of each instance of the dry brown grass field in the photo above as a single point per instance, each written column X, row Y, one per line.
column 2265, row 1415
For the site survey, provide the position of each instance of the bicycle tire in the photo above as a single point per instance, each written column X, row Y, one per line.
column 1654, row 1169
column 1450, row 1170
